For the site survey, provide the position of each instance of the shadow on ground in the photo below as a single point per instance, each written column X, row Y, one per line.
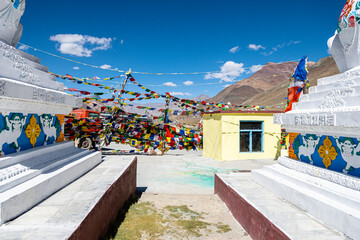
column 114, row 226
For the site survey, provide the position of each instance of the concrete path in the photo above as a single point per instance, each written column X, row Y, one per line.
column 182, row 172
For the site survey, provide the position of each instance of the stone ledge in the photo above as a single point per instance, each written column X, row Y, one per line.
column 20, row 90
column 266, row 216
column 332, row 204
column 332, row 176
column 27, row 194
column 83, row 209
column 24, row 106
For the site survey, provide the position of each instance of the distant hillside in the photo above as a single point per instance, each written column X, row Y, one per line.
column 275, row 96
column 201, row 97
column 270, row 75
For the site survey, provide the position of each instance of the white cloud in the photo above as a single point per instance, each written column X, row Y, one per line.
column 227, row 85
column 255, row 68
column 267, row 53
column 23, row 47
column 188, row 83
column 280, row 46
column 80, row 45
column 122, row 41
column 255, row 47
column 76, row 68
column 170, row 84
column 105, row 66
column 229, row 72
column 293, row 42
column 180, row 94
column 234, row 49
column 277, row 47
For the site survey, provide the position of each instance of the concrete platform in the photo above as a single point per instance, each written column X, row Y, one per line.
column 30, row 176
column 266, row 216
column 188, row 169
column 83, row 209
column 333, row 204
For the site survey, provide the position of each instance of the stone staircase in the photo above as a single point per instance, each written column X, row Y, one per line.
column 332, row 104
column 28, row 177
column 331, row 203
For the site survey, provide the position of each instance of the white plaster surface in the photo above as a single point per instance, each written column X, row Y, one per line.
column 294, row 222
column 9, row 20
column 28, row 180
column 344, row 45
column 331, row 203
column 332, row 176
column 16, row 105
column 14, row 66
column 58, row 216
column 332, row 107
column 16, row 89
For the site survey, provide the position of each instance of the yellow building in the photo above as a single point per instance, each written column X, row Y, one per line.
column 236, row 135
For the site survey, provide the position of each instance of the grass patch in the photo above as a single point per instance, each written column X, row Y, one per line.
column 141, row 221
column 182, row 211
column 144, row 221
column 193, row 227
column 223, row 228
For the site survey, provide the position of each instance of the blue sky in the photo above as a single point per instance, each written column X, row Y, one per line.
column 234, row 37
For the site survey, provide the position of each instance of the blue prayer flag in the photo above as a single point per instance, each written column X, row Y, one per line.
column 300, row 72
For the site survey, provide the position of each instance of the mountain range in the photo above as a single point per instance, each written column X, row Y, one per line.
column 268, row 86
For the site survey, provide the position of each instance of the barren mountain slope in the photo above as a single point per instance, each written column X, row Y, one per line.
column 275, row 96
column 270, row 75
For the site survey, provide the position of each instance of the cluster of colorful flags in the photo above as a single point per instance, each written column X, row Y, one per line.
column 141, row 131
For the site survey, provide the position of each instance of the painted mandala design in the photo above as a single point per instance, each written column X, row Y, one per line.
column 327, row 152
column 33, row 130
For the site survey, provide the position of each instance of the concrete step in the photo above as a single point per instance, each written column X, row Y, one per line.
column 20, row 90
column 333, row 86
column 33, row 61
column 16, row 174
column 331, row 92
column 18, row 157
column 81, row 210
column 349, row 75
column 331, row 103
column 264, row 215
column 333, row 204
column 33, row 176
column 13, row 66
column 29, row 56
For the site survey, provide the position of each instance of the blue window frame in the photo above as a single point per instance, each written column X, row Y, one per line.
column 251, row 136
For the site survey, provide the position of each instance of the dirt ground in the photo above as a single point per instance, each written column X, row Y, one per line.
column 170, row 216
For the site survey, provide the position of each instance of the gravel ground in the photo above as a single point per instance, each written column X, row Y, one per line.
column 215, row 211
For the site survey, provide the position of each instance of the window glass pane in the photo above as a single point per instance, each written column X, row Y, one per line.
column 244, row 142
column 256, row 141
column 94, row 115
column 250, row 125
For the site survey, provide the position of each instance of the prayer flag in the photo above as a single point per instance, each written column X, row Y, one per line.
column 299, row 76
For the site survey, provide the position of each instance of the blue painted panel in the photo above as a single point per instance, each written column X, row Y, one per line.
column 341, row 154
column 24, row 131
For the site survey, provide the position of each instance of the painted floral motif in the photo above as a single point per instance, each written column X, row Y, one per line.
column 33, row 130
column 347, row 9
column 61, row 135
column 327, row 152
column 346, row 14
column 292, row 137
